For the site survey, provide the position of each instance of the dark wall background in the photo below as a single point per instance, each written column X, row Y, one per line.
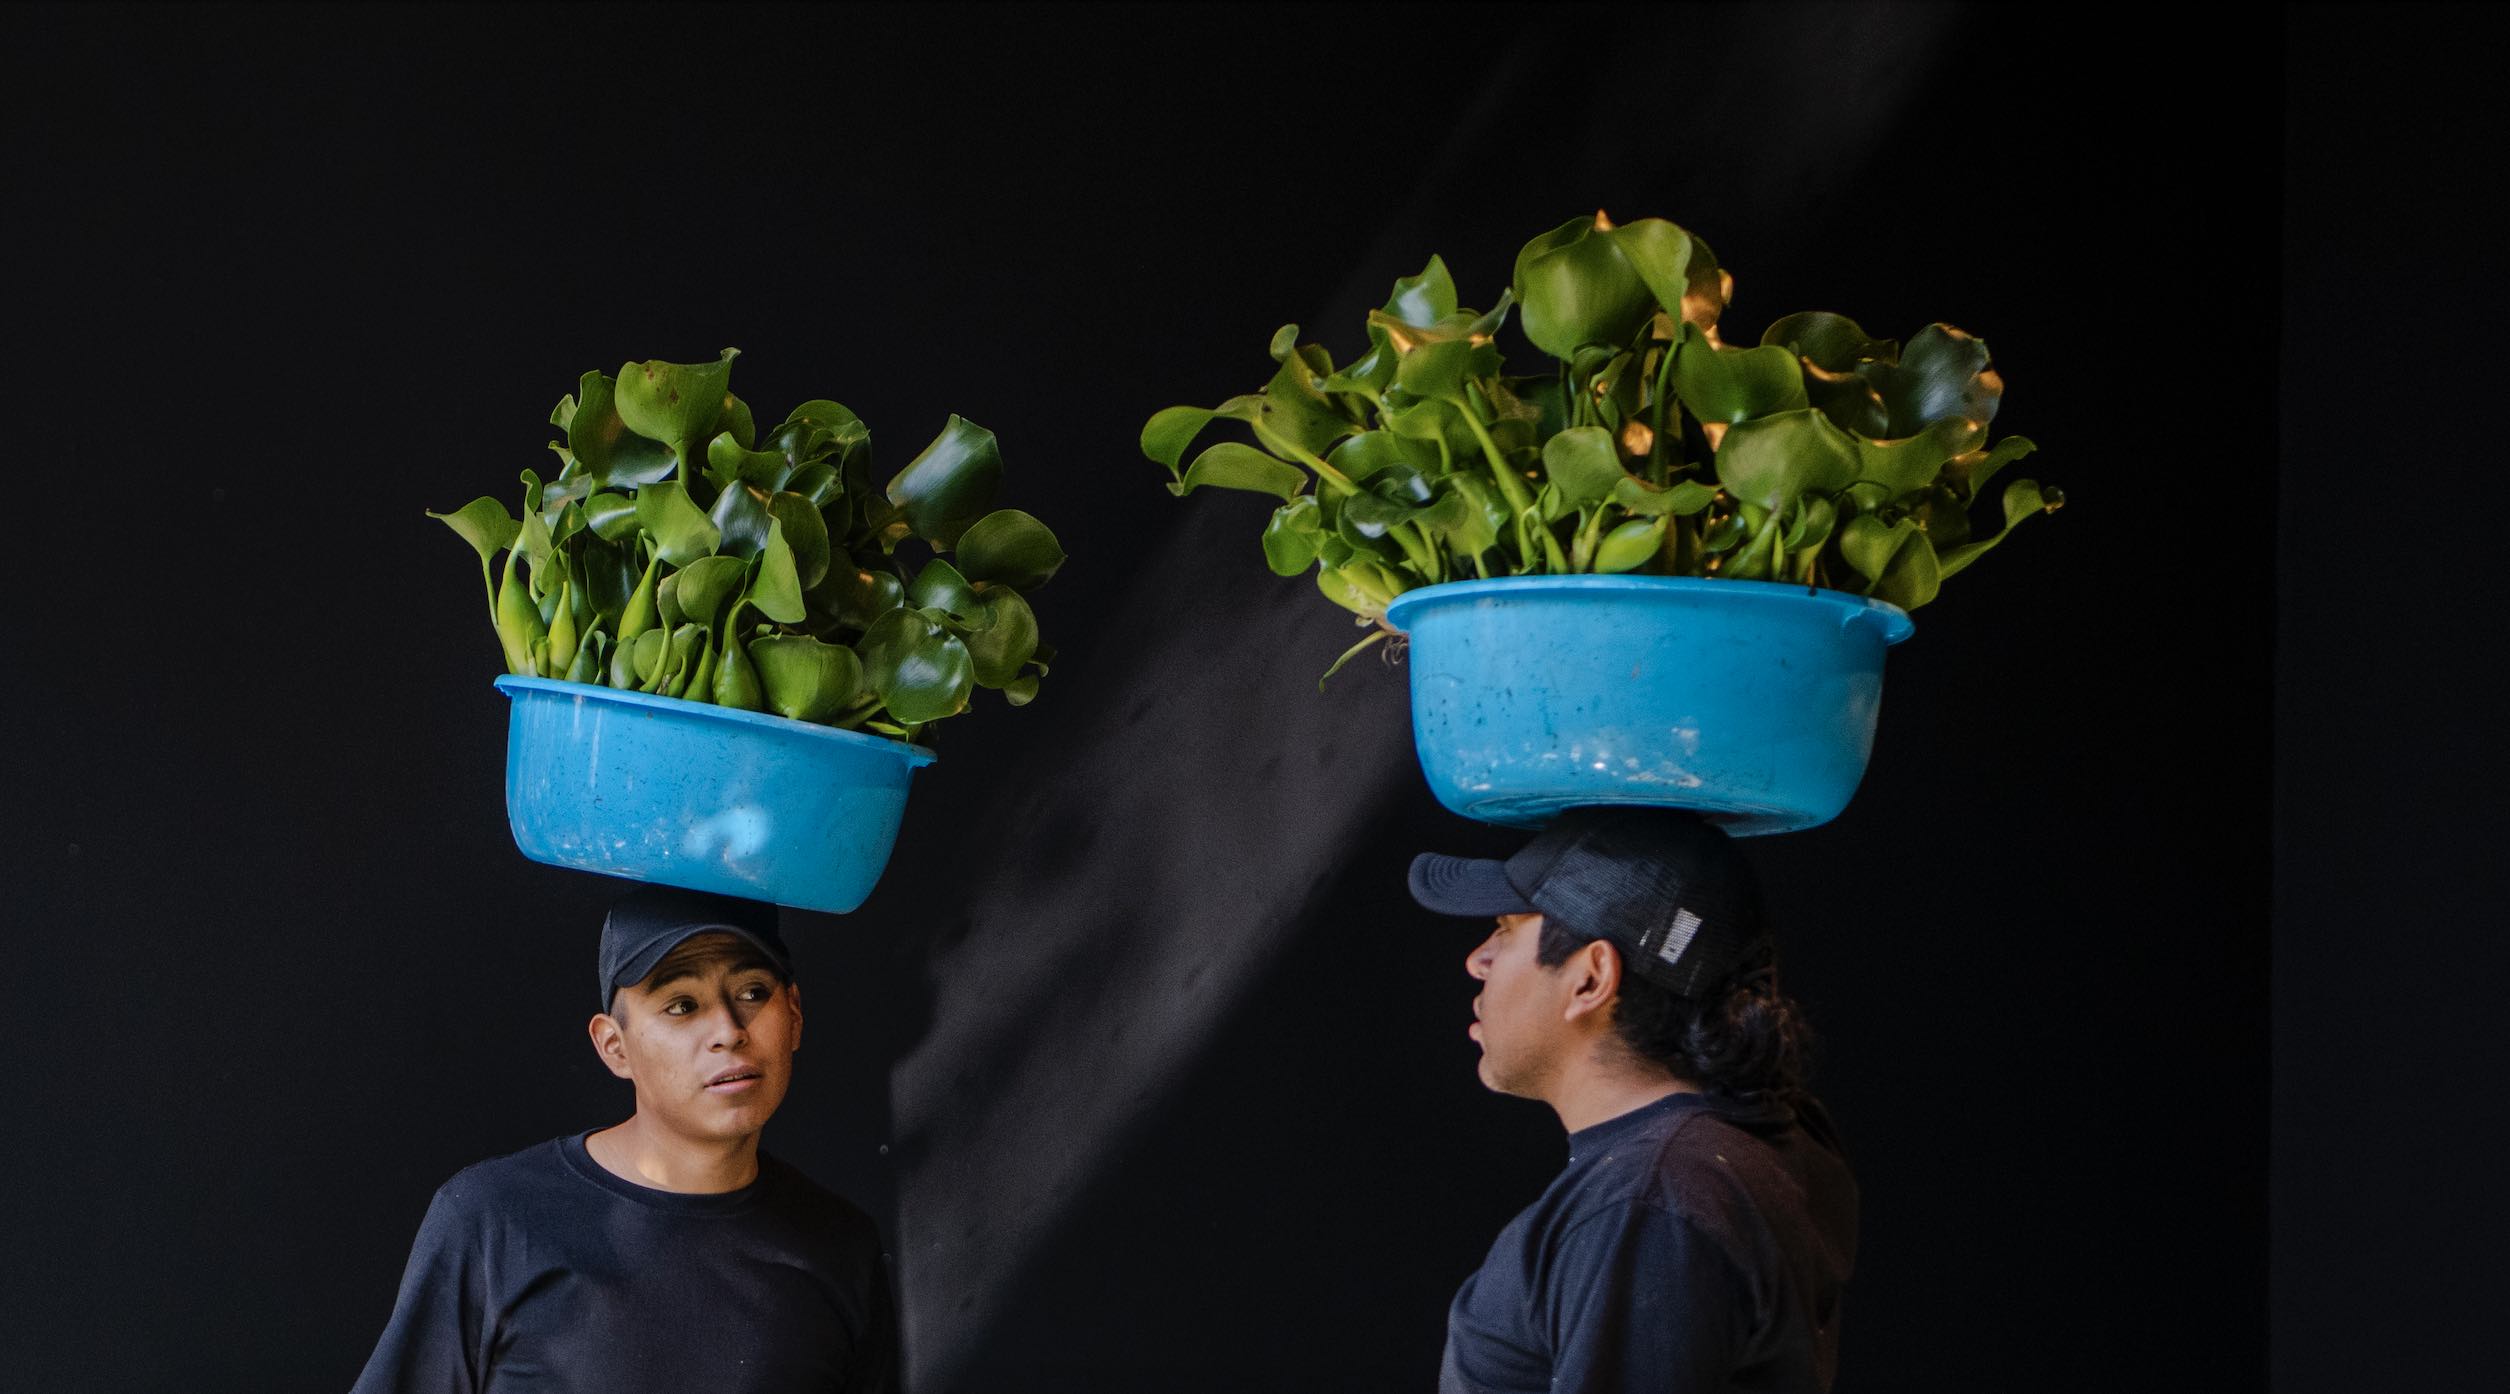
column 1153, row 1073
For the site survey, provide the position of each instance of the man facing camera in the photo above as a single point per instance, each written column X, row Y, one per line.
column 1700, row 1235
column 665, row 1252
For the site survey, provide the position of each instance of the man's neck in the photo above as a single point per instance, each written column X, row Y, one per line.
column 1603, row 1086
column 638, row 1151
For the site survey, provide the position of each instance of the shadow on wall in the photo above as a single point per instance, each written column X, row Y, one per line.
column 1138, row 874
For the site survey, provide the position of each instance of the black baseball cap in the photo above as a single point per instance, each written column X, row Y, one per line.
column 1667, row 888
column 650, row 921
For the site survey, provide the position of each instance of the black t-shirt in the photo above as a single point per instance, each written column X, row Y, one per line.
column 543, row 1272
column 1696, row 1243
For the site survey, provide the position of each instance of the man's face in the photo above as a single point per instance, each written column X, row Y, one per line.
column 1520, row 1013
column 708, row 1038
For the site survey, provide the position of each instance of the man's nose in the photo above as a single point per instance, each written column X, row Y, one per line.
column 1477, row 963
column 727, row 1024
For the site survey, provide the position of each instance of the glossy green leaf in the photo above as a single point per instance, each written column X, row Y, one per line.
column 841, row 426
column 740, row 517
column 727, row 461
column 615, row 456
column 1010, row 548
column 1293, row 411
column 1436, row 370
column 921, row 670
column 1914, row 577
column 738, row 421
column 1230, row 465
column 1425, row 299
column 855, row 596
column 1901, row 466
column 706, row 588
column 680, row 531
column 1870, row 545
column 1584, row 465
column 1284, row 340
column 1774, row 460
column 1007, row 640
column 806, row 532
column 1630, row 546
column 1730, row 384
column 951, row 484
column 939, row 586
column 1942, row 372
column 644, row 659
column 1577, row 288
column 667, row 602
column 483, row 523
column 1682, row 500
column 1477, row 520
column 610, row 577
column 1673, row 264
column 1292, row 537
column 776, row 587
column 612, row 517
column 677, row 404
column 1758, row 559
column 1975, row 471
column 804, row 679
column 1815, row 517
column 819, row 483
column 2022, row 499
column 1168, row 433
column 1834, row 343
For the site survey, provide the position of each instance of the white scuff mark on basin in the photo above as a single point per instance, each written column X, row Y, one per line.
column 734, row 835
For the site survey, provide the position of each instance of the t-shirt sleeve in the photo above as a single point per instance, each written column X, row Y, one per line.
column 431, row 1345
column 1639, row 1299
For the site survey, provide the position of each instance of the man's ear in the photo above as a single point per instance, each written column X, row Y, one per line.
column 796, row 990
column 609, row 1044
column 1594, row 974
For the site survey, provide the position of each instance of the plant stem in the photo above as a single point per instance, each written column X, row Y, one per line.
column 1324, row 471
column 1509, row 484
column 1583, row 558
column 1422, row 560
column 1437, row 554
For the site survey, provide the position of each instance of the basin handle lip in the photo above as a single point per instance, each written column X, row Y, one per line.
column 1887, row 622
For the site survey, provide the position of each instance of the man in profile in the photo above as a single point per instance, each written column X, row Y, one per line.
column 1701, row 1232
column 665, row 1252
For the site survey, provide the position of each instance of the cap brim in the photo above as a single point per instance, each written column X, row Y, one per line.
column 1466, row 887
column 642, row 963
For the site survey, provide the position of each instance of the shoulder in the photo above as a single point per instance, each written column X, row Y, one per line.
column 492, row 1186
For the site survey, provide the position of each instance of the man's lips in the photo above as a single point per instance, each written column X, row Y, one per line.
column 733, row 1080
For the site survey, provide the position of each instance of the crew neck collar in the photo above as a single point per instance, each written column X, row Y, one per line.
column 579, row 1159
column 1763, row 1114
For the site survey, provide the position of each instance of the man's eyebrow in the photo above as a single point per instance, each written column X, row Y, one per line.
column 671, row 971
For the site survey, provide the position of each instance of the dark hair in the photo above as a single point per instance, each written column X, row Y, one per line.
column 1744, row 1037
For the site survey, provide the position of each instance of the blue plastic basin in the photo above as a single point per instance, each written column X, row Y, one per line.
column 702, row 797
column 1750, row 701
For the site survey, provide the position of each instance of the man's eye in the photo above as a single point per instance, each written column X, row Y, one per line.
column 755, row 992
column 680, row 1006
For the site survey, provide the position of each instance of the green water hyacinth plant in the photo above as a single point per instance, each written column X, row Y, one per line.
column 684, row 550
column 1647, row 444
